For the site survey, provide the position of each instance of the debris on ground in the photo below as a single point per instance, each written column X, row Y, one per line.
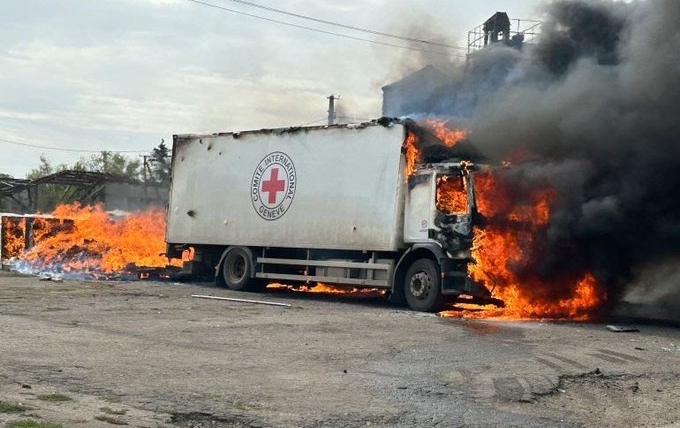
column 622, row 329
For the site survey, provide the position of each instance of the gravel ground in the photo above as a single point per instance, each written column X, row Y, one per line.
column 98, row 354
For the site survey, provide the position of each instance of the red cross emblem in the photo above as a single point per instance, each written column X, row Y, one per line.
column 273, row 186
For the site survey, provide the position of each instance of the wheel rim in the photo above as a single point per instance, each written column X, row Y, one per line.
column 236, row 268
column 420, row 285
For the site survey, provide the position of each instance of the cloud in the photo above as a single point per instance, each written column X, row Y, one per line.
column 122, row 74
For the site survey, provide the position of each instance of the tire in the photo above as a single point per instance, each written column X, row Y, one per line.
column 236, row 268
column 422, row 286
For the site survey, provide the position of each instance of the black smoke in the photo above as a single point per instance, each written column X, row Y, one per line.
column 598, row 101
column 596, row 104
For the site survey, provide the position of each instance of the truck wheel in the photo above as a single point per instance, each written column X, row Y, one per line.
column 422, row 287
column 236, row 269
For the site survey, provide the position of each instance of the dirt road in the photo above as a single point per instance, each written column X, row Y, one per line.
column 87, row 354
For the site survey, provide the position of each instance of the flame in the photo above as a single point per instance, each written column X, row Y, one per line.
column 188, row 254
column 41, row 229
column 95, row 242
column 410, row 153
column 13, row 232
column 506, row 251
column 450, row 137
column 44, row 227
column 451, row 195
column 509, row 246
column 15, row 228
column 576, row 307
column 322, row 288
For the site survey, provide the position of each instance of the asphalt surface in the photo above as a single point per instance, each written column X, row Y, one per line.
column 150, row 355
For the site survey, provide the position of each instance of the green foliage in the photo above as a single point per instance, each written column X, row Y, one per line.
column 50, row 195
column 158, row 165
column 155, row 169
column 44, row 168
column 30, row 423
column 6, row 407
column 110, row 163
column 4, row 203
column 54, row 398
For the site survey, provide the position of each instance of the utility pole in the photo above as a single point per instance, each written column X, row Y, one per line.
column 331, row 108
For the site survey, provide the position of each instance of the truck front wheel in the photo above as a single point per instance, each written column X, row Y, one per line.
column 422, row 287
column 236, row 269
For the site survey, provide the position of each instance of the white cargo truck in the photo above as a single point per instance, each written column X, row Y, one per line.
column 331, row 204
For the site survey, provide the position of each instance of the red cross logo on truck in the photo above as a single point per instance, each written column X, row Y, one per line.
column 273, row 185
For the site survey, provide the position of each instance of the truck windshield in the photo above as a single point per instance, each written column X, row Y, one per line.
column 451, row 194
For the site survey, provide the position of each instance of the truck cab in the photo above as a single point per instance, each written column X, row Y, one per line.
column 438, row 224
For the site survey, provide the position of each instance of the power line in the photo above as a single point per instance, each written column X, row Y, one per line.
column 350, row 27
column 68, row 149
column 319, row 30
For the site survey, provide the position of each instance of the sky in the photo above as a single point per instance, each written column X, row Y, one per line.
column 81, row 76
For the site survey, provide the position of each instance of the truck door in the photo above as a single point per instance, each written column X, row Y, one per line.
column 419, row 207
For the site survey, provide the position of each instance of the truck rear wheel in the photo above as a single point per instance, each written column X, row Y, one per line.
column 422, row 287
column 236, row 269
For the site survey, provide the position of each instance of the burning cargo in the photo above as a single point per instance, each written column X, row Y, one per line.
column 20, row 232
column 86, row 242
column 347, row 204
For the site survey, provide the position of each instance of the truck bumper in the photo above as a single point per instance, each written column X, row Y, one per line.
column 455, row 281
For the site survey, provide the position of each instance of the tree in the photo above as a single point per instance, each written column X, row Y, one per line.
column 45, row 168
column 50, row 195
column 5, row 204
column 110, row 163
column 158, row 164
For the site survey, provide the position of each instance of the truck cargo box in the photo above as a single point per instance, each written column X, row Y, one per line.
column 335, row 187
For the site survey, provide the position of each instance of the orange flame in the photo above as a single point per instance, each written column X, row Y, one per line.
column 410, row 153
column 450, row 137
column 15, row 228
column 332, row 289
column 508, row 245
column 451, row 195
column 322, row 288
column 13, row 241
column 97, row 243
column 44, row 227
column 188, row 254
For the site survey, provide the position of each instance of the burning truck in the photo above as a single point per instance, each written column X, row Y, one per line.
column 396, row 207
column 295, row 205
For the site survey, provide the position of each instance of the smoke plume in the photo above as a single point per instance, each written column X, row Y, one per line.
column 593, row 110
